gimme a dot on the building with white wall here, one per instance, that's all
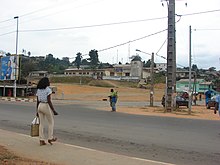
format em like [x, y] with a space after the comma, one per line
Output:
[132, 71]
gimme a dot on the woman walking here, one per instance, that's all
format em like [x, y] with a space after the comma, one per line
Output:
[45, 110]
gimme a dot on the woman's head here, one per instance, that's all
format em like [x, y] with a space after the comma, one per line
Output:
[43, 83]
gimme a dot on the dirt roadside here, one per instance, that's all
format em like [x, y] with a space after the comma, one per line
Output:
[10, 158]
[90, 93]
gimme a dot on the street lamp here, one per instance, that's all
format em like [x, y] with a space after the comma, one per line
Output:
[151, 76]
[16, 17]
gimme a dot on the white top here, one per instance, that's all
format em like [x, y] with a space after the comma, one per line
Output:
[43, 93]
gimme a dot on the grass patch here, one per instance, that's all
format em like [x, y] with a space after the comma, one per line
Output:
[71, 79]
[6, 155]
[100, 83]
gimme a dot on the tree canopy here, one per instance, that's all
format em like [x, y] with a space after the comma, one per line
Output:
[78, 60]
[93, 58]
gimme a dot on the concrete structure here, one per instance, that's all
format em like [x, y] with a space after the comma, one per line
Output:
[137, 68]
[133, 71]
[98, 73]
[21, 90]
[161, 66]
[35, 76]
[199, 86]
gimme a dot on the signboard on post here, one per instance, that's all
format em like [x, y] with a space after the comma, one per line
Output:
[9, 67]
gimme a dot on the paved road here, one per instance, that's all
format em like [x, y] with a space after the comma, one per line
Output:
[177, 141]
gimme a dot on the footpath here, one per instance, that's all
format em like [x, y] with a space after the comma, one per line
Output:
[64, 154]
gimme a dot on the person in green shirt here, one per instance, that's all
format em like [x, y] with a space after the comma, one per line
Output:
[113, 97]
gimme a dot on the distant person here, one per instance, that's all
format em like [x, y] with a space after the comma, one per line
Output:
[217, 106]
[163, 101]
[200, 97]
[8, 71]
[45, 110]
[113, 97]
[208, 95]
[185, 95]
[194, 99]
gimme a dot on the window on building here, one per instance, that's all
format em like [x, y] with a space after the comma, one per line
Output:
[127, 74]
[112, 73]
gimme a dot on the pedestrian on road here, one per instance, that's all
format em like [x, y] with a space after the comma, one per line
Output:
[113, 97]
[200, 97]
[217, 105]
[45, 110]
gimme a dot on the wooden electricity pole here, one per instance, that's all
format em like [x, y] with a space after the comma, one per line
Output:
[190, 71]
[152, 81]
[171, 56]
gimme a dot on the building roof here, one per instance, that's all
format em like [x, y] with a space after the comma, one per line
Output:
[206, 83]
[187, 80]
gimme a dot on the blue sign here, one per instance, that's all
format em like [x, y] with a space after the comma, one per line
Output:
[9, 68]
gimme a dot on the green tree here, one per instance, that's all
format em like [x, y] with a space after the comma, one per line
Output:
[85, 62]
[147, 64]
[53, 65]
[78, 60]
[27, 65]
[94, 58]
[211, 69]
[136, 58]
[29, 53]
[194, 67]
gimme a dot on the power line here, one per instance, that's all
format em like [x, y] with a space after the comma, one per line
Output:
[133, 40]
[89, 26]
[107, 24]
[49, 7]
[6, 20]
[61, 11]
[38, 10]
[206, 29]
[161, 46]
[101, 50]
[7, 33]
[202, 12]
[96, 25]
[118, 23]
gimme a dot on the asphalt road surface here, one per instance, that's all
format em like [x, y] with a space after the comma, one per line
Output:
[170, 140]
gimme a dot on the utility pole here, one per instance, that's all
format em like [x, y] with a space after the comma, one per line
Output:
[152, 81]
[15, 85]
[151, 77]
[190, 72]
[171, 56]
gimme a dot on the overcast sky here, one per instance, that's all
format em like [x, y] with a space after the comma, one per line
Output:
[66, 27]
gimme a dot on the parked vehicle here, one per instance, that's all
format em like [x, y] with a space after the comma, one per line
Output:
[211, 103]
[180, 101]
